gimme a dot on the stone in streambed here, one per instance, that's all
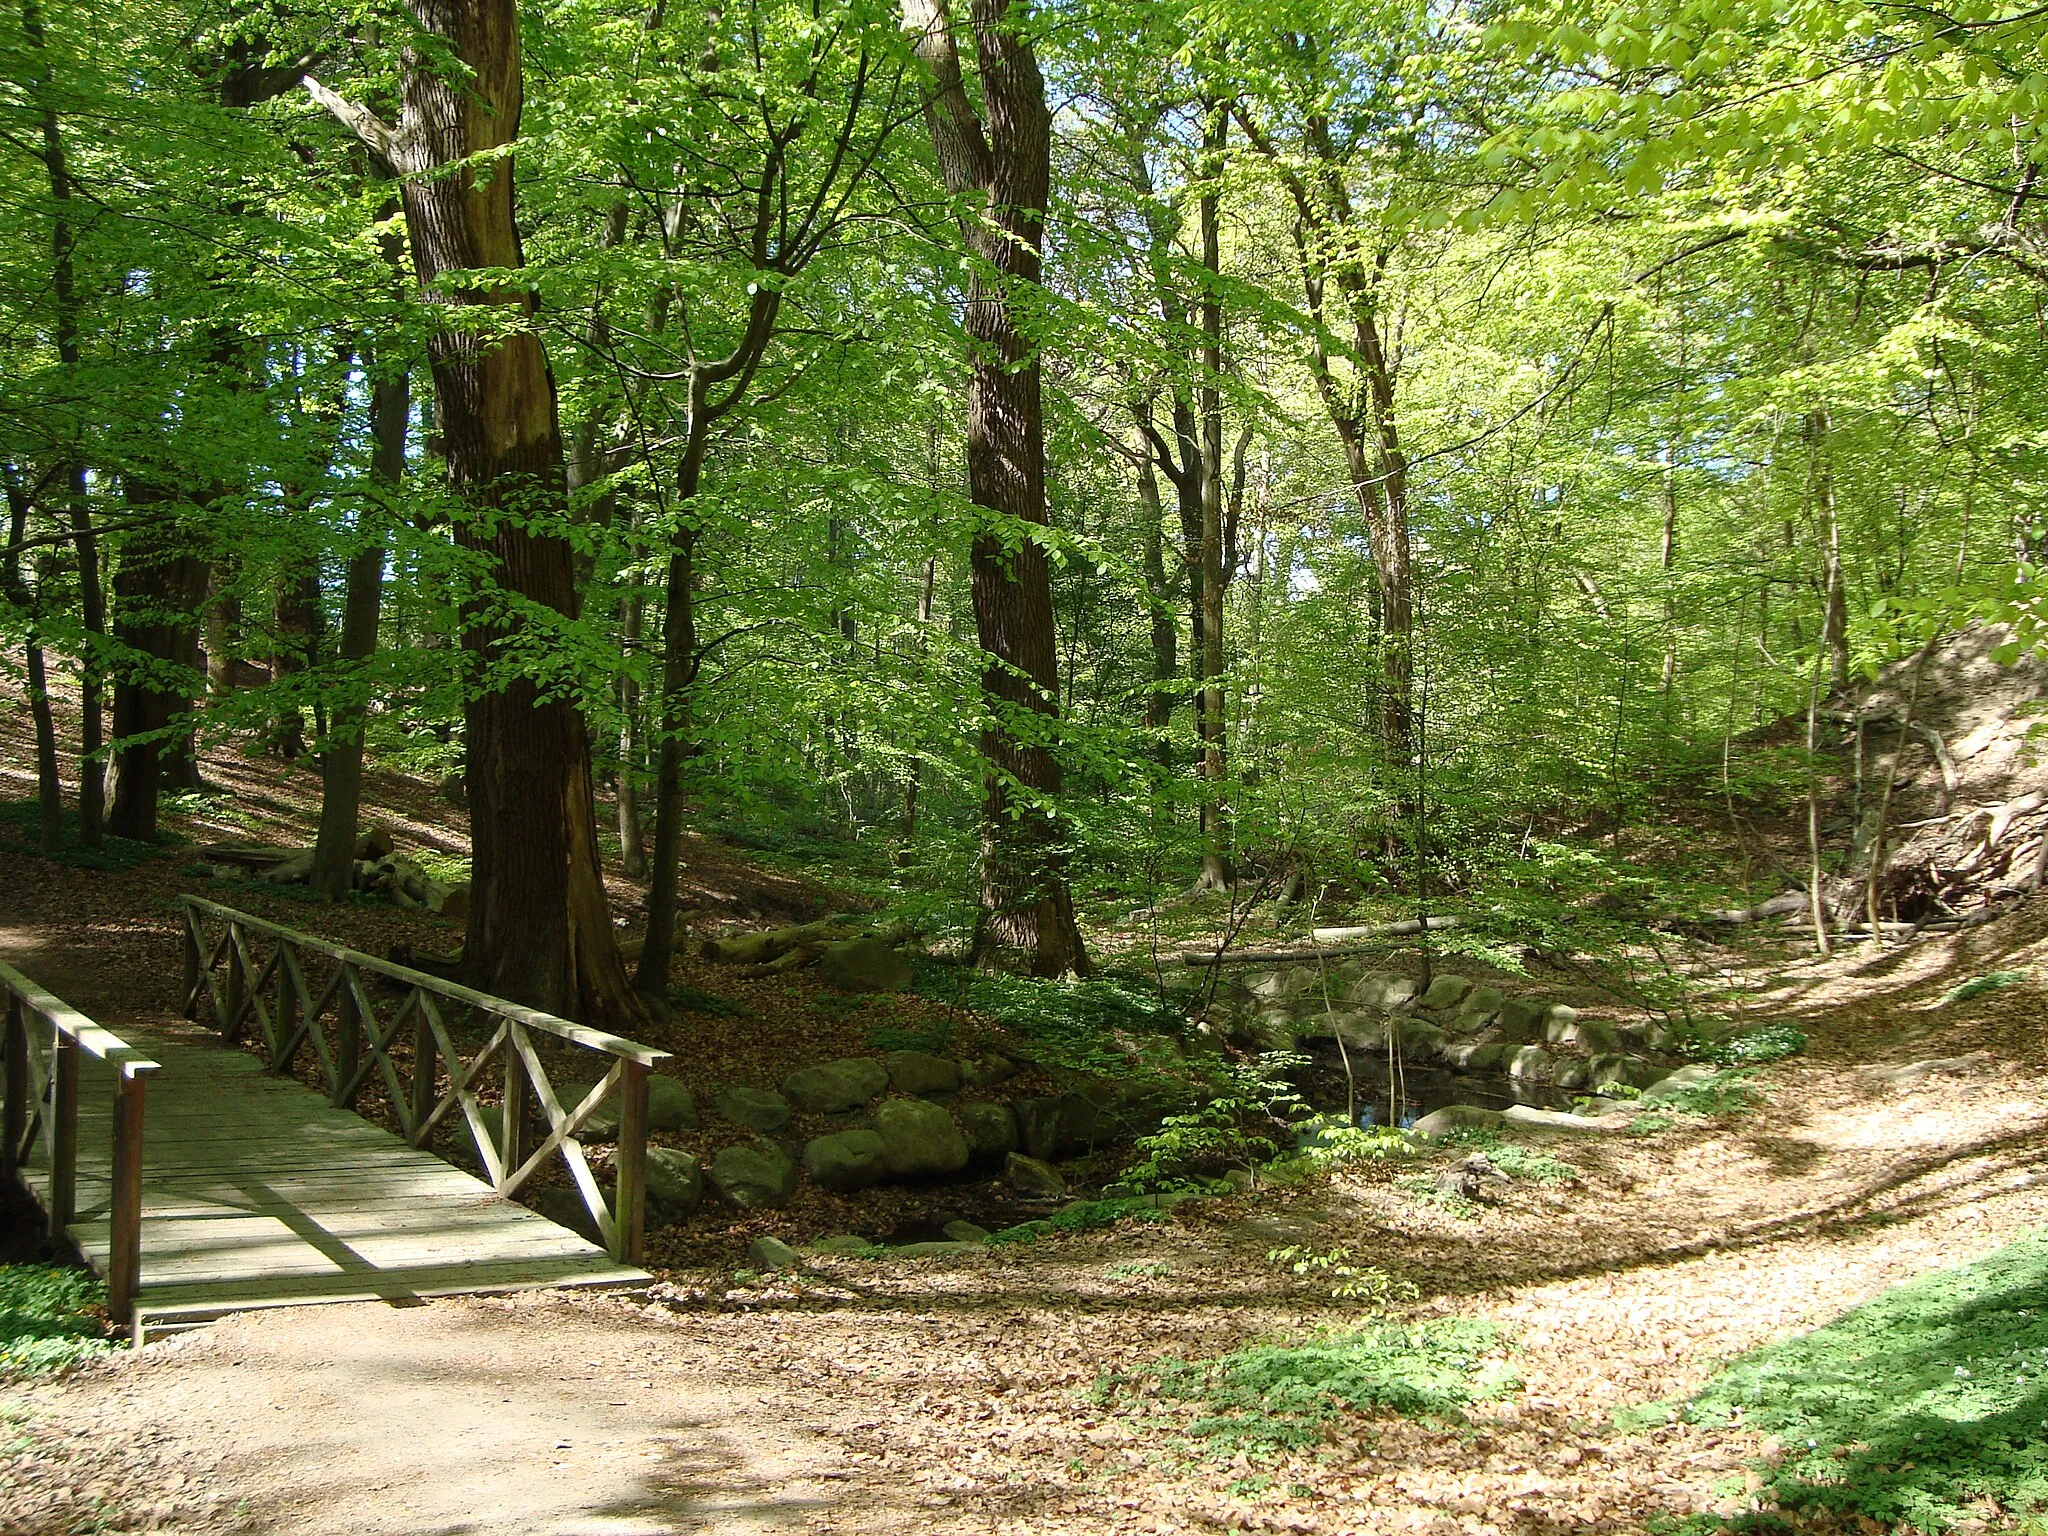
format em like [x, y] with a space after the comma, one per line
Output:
[833, 1087]
[758, 1109]
[920, 1137]
[754, 1175]
[846, 1160]
[990, 1129]
[675, 1185]
[772, 1253]
[863, 965]
[920, 1072]
[1033, 1178]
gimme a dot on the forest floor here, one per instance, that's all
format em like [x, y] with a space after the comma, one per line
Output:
[958, 1394]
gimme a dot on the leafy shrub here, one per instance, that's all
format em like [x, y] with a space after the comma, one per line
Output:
[1517, 1162]
[1251, 1108]
[1751, 1048]
[1978, 986]
[1082, 1216]
[1344, 1146]
[1347, 1281]
[1271, 1397]
[113, 855]
[1910, 1409]
[49, 1318]
[1725, 1093]
[924, 1037]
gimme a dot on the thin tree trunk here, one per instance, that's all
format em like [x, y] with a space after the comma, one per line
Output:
[1217, 873]
[1003, 155]
[1834, 592]
[1874, 882]
[632, 833]
[341, 760]
[540, 928]
[913, 776]
[1815, 901]
[92, 769]
[49, 787]
[1159, 600]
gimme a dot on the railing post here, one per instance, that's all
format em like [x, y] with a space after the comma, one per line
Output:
[63, 1130]
[124, 1235]
[512, 1134]
[231, 1019]
[287, 1011]
[423, 1055]
[15, 1124]
[194, 959]
[348, 1038]
[629, 1196]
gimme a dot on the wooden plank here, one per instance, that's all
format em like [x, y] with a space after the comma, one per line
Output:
[257, 1192]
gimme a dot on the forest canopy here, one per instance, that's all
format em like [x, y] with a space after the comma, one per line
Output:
[1083, 451]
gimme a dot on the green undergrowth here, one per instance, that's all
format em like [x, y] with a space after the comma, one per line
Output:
[711, 1003]
[1084, 1216]
[113, 855]
[1279, 1396]
[1094, 1026]
[1752, 1047]
[1517, 1162]
[51, 1316]
[1924, 1408]
[1977, 986]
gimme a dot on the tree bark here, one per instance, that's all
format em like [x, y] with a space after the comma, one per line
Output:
[92, 770]
[158, 592]
[341, 758]
[49, 787]
[1003, 156]
[540, 928]
[1217, 873]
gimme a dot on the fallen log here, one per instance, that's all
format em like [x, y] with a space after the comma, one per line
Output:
[1381, 930]
[768, 944]
[1776, 906]
[1320, 946]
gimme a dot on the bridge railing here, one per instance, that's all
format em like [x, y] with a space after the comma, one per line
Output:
[294, 995]
[46, 1041]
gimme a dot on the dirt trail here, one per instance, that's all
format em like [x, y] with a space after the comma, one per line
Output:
[953, 1396]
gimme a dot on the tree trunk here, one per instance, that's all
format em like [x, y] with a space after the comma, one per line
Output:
[92, 770]
[1159, 598]
[540, 928]
[158, 592]
[632, 834]
[1834, 627]
[1217, 873]
[295, 623]
[341, 761]
[49, 787]
[223, 622]
[1005, 158]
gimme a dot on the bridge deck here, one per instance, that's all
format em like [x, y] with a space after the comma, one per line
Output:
[258, 1193]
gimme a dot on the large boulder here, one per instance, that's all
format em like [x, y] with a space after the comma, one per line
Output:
[670, 1106]
[1557, 1120]
[1455, 1117]
[1446, 991]
[1478, 1009]
[990, 1129]
[988, 1070]
[1033, 1178]
[1593, 1036]
[1419, 1041]
[772, 1253]
[1530, 1063]
[1051, 1128]
[833, 1087]
[754, 1176]
[864, 964]
[1570, 1072]
[846, 1160]
[920, 1137]
[1671, 1086]
[1521, 1020]
[757, 1109]
[1382, 990]
[1474, 1055]
[1278, 986]
[920, 1072]
[675, 1185]
[1361, 1031]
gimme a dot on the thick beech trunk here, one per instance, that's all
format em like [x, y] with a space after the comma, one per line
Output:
[540, 929]
[1003, 155]
[49, 788]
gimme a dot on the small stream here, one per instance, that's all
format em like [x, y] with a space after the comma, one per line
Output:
[1418, 1091]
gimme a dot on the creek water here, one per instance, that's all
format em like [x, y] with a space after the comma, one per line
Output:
[1376, 1095]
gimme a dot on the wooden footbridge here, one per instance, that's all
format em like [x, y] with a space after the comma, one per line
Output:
[309, 1154]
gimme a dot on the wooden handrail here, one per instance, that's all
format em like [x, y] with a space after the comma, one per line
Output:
[300, 1017]
[47, 1111]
